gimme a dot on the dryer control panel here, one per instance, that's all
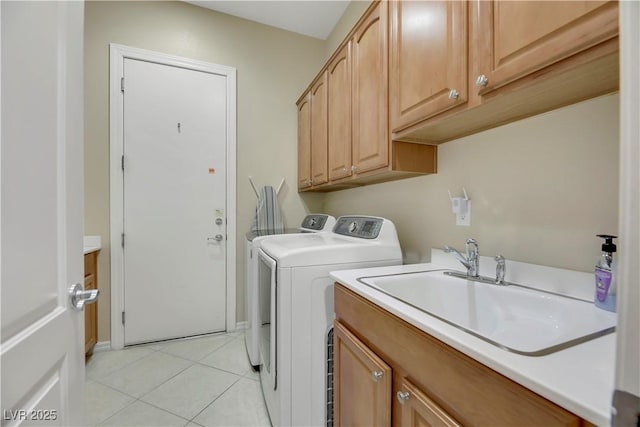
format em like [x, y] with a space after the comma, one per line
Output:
[314, 222]
[364, 227]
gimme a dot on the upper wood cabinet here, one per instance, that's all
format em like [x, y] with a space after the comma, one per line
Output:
[518, 38]
[339, 114]
[370, 91]
[304, 142]
[362, 383]
[354, 87]
[428, 69]
[319, 140]
[523, 58]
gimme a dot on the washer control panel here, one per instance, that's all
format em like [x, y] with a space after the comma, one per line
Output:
[358, 226]
[314, 222]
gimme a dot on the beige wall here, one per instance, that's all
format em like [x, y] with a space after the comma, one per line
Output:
[541, 189]
[274, 67]
[352, 13]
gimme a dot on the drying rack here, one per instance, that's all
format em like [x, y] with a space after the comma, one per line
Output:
[256, 191]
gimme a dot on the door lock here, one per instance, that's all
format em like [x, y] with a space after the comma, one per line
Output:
[219, 221]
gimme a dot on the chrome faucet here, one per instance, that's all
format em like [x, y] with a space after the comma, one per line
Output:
[471, 261]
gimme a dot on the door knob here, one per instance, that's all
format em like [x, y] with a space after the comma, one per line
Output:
[80, 297]
[377, 376]
[219, 221]
[217, 238]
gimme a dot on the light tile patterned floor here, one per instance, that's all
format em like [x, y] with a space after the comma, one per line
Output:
[205, 381]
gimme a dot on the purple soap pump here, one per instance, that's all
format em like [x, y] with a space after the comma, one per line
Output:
[606, 275]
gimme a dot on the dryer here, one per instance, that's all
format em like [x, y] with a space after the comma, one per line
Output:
[312, 223]
[296, 300]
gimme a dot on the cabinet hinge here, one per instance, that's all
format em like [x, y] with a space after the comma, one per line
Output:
[122, 162]
[122, 239]
[123, 318]
[122, 84]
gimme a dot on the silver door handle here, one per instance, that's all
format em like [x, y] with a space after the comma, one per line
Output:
[217, 238]
[80, 297]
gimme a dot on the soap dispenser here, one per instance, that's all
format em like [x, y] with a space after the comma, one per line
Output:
[606, 275]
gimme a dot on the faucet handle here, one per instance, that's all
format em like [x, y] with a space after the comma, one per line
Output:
[476, 248]
[501, 269]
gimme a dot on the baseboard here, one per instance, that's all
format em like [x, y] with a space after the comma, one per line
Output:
[240, 326]
[102, 346]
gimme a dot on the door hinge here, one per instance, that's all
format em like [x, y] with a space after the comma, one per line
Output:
[122, 240]
[123, 318]
[122, 84]
[251, 253]
[122, 162]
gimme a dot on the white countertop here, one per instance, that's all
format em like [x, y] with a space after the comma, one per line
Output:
[579, 379]
[92, 244]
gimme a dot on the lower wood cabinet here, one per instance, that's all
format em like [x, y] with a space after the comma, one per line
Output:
[90, 310]
[362, 383]
[387, 372]
[413, 407]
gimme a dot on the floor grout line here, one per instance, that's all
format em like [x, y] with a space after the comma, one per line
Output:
[247, 374]
[216, 398]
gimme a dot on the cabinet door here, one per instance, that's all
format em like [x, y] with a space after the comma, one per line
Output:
[90, 310]
[319, 131]
[370, 91]
[90, 317]
[519, 38]
[414, 408]
[304, 143]
[428, 72]
[339, 114]
[362, 383]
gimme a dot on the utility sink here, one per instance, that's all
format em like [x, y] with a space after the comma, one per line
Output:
[513, 317]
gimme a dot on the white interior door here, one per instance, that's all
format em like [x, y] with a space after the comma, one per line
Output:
[42, 350]
[174, 201]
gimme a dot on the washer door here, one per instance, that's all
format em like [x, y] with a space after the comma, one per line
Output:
[267, 294]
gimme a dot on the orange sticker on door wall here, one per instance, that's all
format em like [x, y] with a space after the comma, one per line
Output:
[212, 171]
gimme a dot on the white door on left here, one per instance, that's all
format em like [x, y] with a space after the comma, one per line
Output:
[42, 351]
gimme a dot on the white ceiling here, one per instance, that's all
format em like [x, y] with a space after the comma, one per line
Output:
[315, 18]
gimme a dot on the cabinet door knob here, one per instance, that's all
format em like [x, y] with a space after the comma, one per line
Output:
[403, 396]
[377, 376]
[454, 94]
[482, 80]
[354, 168]
[344, 171]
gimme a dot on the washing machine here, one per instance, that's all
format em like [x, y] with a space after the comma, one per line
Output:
[296, 316]
[312, 223]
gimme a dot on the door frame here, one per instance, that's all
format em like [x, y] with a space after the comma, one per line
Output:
[627, 353]
[118, 53]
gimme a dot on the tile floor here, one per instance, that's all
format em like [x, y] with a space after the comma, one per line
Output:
[204, 381]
